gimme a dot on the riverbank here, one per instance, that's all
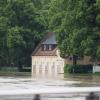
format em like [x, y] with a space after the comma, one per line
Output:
[15, 73]
[97, 73]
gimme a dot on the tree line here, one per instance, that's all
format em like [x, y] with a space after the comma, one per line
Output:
[77, 24]
[22, 26]
[23, 23]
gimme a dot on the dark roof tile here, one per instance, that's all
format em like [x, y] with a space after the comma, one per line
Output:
[50, 40]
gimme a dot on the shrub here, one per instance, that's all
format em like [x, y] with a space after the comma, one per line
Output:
[68, 68]
[78, 68]
[8, 69]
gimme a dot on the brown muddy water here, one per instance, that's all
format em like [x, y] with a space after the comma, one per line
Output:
[37, 82]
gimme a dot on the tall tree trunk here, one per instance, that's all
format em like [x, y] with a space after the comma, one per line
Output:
[94, 62]
[94, 65]
[74, 59]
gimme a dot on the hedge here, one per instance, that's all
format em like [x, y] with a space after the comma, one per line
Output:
[78, 68]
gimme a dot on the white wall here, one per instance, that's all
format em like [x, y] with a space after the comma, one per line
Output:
[47, 65]
[96, 69]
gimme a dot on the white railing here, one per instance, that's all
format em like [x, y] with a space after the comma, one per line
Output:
[50, 90]
[58, 90]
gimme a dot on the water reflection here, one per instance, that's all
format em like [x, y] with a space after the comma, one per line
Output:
[47, 75]
[82, 79]
[79, 77]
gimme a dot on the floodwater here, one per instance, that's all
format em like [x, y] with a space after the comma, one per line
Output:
[16, 83]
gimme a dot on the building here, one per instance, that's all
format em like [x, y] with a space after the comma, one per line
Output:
[46, 58]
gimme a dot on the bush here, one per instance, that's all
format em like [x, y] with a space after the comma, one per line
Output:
[8, 69]
[78, 68]
[68, 68]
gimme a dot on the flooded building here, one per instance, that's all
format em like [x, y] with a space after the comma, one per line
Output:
[46, 58]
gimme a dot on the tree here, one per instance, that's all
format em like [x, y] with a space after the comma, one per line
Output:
[62, 21]
[3, 31]
[22, 26]
[77, 24]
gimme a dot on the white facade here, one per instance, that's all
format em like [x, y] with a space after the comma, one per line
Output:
[47, 65]
[46, 59]
[96, 69]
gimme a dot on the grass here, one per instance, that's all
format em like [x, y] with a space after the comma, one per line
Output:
[13, 71]
[97, 73]
[8, 69]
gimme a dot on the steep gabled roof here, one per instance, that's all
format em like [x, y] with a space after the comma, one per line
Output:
[48, 39]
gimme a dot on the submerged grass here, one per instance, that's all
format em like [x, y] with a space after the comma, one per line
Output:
[97, 73]
[8, 69]
[13, 71]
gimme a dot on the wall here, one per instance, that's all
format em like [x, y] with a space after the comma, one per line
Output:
[49, 65]
[96, 69]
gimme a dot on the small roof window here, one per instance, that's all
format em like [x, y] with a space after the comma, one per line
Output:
[44, 47]
[50, 47]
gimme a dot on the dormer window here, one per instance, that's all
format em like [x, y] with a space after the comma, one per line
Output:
[47, 47]
[44, 47]
[50, 47]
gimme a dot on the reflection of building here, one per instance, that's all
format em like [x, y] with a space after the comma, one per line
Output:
[46, 58]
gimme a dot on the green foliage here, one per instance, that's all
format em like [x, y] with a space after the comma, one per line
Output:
[77, 24]
[78, 68]
[97, 73]
[8, 69]
[22, 25]
[68, 68]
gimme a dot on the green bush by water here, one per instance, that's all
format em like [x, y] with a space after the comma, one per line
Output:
[15, 69]
[77, 68]
[8, 69]
[97, 73]
[68, 68]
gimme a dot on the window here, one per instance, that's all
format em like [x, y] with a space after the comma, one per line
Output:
[70, 58]
[44, 47]
[47, 47]
[50, 47]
